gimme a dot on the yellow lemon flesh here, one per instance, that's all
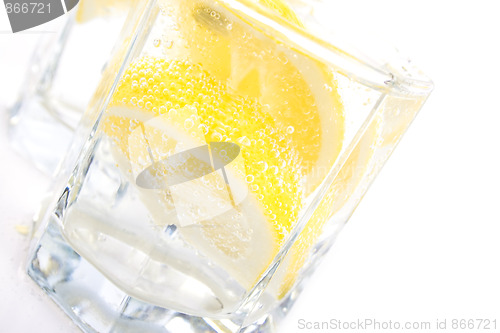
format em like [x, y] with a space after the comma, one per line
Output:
[153, 87]
[298, 92]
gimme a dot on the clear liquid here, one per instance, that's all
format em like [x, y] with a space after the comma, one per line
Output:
[63, 75]
[112, 228]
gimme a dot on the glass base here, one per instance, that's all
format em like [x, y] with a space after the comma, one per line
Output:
[39, 133]
[97, 305]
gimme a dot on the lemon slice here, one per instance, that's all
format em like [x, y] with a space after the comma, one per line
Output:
[279, 105]
[213, 211]
[159, 102]
[296, 90]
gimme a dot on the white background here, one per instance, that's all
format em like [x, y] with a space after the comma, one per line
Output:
[423, 244]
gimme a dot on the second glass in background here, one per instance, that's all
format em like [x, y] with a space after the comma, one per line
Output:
[61, 79]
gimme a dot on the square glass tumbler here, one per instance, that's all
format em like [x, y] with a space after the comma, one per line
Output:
[62, 75]
[225, 147]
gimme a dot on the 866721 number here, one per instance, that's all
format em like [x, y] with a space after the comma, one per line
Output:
[28, 7]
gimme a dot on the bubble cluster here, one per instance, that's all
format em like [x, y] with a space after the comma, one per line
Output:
[272, 168]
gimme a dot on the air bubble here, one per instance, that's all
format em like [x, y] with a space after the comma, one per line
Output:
[249, 178]
[283, 59]
[217, 137]
[169, 44]
[188, 123]
[290, 129]
[274, 169]
[204, 128]
[263, 166]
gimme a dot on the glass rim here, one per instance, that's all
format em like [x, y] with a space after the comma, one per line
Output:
[384, 74]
